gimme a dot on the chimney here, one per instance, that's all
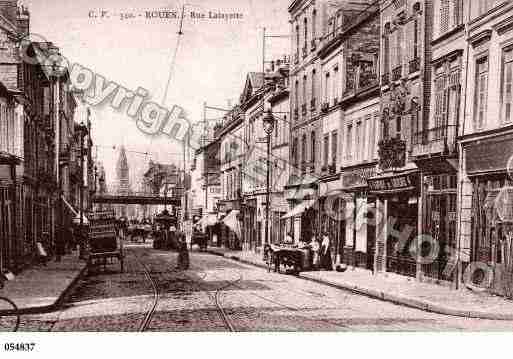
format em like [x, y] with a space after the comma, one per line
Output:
[23, 21]
[9, 10]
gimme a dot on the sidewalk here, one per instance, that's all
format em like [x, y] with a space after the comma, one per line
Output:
[402, 290]
[42, 288]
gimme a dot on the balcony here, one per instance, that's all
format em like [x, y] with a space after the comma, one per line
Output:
[367, 79]
[313, 45]
[385, 79]
[305, 51]
[392, 153]
[313, 104]
[397, 73]
[439, 140]
[414, 65]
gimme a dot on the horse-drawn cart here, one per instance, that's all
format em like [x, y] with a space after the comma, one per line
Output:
[103, 242]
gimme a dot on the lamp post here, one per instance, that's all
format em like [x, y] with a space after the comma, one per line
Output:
[268, 124]
[82, 132]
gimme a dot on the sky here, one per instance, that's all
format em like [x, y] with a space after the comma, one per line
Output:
[211, 64]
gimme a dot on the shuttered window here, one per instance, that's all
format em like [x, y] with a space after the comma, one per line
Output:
[326, 149]
[444, 16]
[481, 91]
[507, 80]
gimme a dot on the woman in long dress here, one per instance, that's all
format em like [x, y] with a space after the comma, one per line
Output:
[326, 253]
[315, 253]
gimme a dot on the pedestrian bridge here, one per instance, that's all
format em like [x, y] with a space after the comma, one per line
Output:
[137, 198]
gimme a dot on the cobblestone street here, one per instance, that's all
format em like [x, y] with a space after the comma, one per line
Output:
[252, 300]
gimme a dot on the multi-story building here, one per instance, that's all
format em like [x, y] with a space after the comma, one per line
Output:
[486, 137]
[307, 19]
[434, 147]
[406, 29]
[230, 134]
[350, 137]
[278, 98]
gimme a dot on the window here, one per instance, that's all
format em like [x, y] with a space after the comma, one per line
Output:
[304, 90]
[294, 151]
[416, 38]
[327, 88]
[399, 44]
[386, 49]
[451, 14]
[306, 31]
[297, 40]
[296, 95]
[358, 144]
[314, 24]
[312, 140]
[440, 98]
[349, 141]
[507, 79]
[313, 88]
[481, 84]
[334, 142]
[326, 149]
[335, 82]
[444, 16]
[303, 149]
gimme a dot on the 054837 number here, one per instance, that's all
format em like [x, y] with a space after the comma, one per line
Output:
[19, 347]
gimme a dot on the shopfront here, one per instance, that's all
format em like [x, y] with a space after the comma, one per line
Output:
[397, 198]
[360, 237]
[226, 229]
[302, 218]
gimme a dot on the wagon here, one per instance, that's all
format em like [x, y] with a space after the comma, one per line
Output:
[292, 258]
[104, 245]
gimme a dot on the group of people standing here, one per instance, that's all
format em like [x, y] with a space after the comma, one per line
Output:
[321, 252]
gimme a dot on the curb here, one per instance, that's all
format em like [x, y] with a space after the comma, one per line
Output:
[390, 297]
[57, 303]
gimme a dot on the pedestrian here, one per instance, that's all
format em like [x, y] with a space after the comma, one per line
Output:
[315, 247]
[326, 253]
[183, 253]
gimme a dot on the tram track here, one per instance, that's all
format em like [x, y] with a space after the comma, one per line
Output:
[156, 295]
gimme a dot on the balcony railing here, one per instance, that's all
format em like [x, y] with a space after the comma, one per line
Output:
[438, 140]
[414, 65]
[367, 78]
[385, 79]
[397, 73]
[392, 153]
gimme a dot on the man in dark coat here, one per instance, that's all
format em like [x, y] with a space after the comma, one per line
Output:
[183, 252]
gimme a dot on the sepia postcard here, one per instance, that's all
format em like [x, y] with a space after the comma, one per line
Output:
[224, 166]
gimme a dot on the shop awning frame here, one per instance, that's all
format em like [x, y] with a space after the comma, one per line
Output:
[299, 209]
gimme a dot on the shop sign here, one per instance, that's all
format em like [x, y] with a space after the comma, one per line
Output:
[489, 155]
[405, 181]
[358, 177]
[225, 206]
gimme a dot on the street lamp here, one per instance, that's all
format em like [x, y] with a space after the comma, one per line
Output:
[82, 129]
[268, 124]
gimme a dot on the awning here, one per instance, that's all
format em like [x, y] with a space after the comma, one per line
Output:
[299, 209]
[502, 203]
[233, 223]
[208, 220]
